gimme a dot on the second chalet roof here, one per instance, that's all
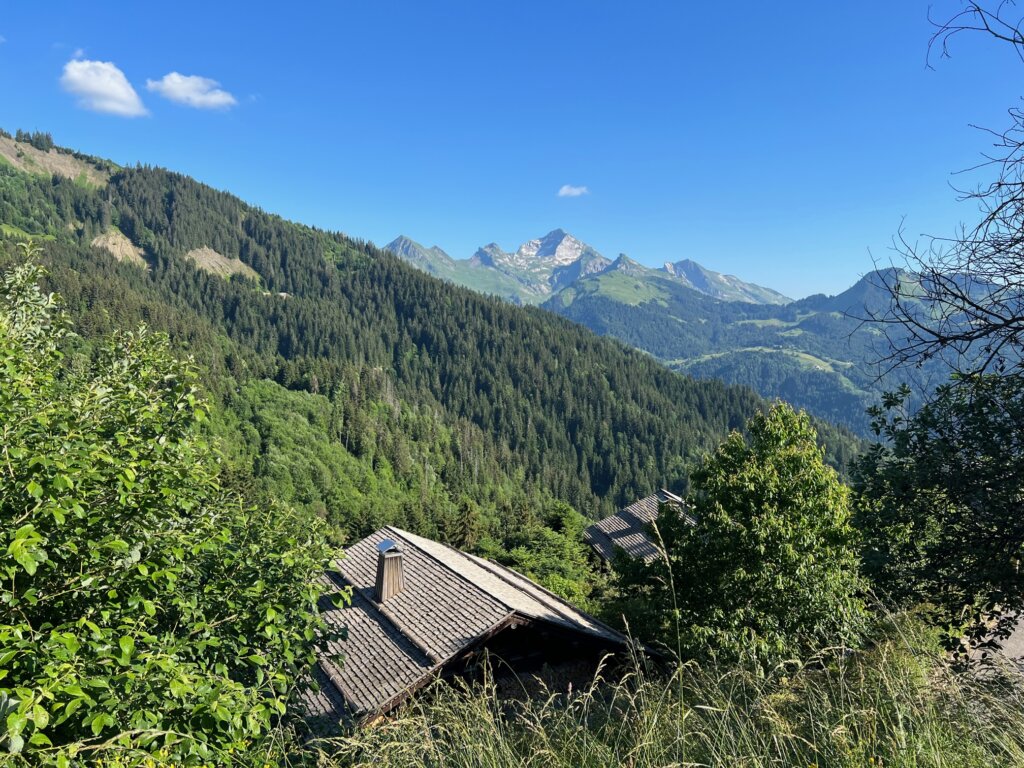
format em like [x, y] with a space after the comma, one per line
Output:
[627, 528]
[449, 602]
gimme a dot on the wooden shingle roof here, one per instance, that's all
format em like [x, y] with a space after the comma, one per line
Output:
[627, 528]
[451, 602]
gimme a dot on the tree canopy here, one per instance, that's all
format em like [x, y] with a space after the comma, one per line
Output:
[939, 502]
[766, 568]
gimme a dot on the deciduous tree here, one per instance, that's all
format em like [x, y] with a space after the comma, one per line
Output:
[766, 569]
[940, 505]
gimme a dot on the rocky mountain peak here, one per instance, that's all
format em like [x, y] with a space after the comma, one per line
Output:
[627, 265]
[410, 250]
[544, 265]
[558, 247]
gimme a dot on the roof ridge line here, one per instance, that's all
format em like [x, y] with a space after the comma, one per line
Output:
[447, 567]
[550, 594]
[673, 496]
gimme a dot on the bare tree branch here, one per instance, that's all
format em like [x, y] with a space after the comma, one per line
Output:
[961, 299]
[975, 17]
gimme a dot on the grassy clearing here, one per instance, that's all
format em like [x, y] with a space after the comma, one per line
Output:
[9, 230]
[209, 260]
[896, 705]
[804, 360]
[29, 159]
[82, 180]
[771, 322]
[629, 290]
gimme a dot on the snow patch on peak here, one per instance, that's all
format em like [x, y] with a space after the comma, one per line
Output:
[528, 250]
[557, 247]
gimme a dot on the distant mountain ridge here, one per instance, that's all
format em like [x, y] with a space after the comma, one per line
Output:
[719, 286]
[817, 352]
[540, 268]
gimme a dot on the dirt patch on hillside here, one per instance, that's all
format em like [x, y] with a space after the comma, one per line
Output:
[27, 158]
[209, 260]
[114, 242]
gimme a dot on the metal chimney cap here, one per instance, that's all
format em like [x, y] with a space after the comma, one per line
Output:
[387, 545]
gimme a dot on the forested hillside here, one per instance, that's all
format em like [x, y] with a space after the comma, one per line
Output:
[817, 353]
[438, 398]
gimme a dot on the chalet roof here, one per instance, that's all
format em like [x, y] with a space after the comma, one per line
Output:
[627, 528]
[450, 603]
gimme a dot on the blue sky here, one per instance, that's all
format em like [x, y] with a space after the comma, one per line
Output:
[782, 142]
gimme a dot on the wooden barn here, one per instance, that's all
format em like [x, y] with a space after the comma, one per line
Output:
[422, 610]
[627, 529]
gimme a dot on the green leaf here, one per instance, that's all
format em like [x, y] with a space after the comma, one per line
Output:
[99, 722]
[16, 722]
[127, 645]
[26, 548]
[16, 744]
[40, 739]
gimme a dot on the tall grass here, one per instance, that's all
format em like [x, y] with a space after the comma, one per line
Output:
[897, 704]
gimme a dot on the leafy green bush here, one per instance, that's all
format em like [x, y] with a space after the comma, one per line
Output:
[939, 504]
[141, 601]
[769, 570]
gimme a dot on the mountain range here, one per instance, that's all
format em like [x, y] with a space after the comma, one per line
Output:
[540, 268]
[817, 353]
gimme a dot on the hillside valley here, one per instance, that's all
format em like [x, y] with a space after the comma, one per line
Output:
[817, 353]
[421, 400]
[332, 394]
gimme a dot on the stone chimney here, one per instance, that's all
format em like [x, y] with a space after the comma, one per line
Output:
[390, 576]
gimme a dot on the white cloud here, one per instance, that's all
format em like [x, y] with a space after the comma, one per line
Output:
[568, 190]
[78, 54]
[2, 39]
[192, 91]
[101, 87]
